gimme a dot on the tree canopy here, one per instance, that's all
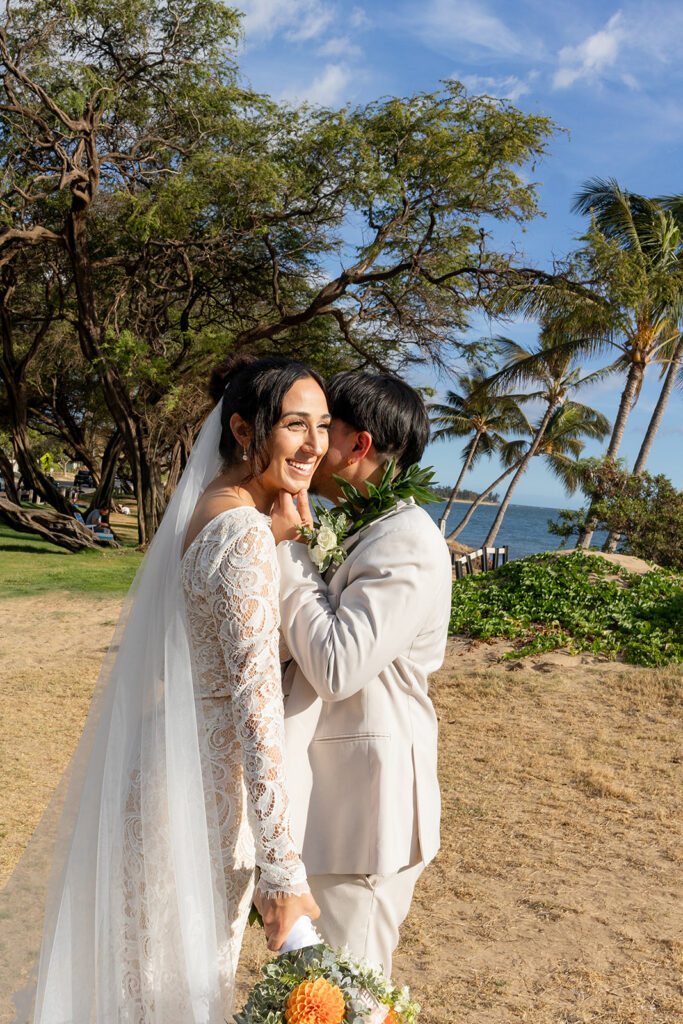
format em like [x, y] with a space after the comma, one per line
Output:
[161, 215]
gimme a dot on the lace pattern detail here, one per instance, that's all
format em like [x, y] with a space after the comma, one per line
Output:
[231, 583]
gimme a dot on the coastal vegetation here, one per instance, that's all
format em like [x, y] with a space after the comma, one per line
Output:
[621, 296]
[463, 494]
[645, 512]
[575, 601]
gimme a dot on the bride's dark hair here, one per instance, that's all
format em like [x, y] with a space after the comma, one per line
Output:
[254, 388]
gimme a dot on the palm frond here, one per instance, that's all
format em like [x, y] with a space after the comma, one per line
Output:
[613, 210]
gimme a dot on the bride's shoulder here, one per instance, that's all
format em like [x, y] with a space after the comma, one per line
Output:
[219, 526]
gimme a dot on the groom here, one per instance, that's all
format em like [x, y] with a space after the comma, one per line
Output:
[361, 731]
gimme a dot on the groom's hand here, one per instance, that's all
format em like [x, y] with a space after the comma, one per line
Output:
[280, 914]
[288, 512]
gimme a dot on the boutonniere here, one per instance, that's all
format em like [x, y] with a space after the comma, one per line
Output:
[333, 525]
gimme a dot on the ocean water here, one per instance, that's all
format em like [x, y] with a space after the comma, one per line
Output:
[524, 528]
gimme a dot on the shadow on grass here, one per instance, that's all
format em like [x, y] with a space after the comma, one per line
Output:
[33, 549]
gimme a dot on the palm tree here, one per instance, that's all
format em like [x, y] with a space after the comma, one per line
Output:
[672, 372]
[485, 415]
[644, 325]
[561, 445]
[552, 366]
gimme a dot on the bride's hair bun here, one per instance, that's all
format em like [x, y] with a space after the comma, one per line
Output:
[225, 371]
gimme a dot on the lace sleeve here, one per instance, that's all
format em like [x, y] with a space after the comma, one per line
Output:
[246, 613]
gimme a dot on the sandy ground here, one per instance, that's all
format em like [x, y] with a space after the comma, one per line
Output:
[556, 895]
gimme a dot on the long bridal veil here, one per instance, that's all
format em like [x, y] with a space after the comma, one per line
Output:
[133, 915]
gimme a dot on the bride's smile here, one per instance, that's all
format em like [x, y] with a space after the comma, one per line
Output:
[299, 439]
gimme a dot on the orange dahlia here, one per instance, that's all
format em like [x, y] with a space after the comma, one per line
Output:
[391, 1017]
[315, 1002]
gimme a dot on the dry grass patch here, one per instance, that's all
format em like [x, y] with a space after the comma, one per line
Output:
[51, 649]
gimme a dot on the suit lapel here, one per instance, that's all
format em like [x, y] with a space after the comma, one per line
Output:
[352, 542]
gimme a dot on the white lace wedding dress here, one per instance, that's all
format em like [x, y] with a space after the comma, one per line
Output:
[230, 582]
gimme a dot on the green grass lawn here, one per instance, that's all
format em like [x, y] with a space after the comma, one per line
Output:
[31, 566]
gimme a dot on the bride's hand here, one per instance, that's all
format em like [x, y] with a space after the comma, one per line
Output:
[288, 512]
[280, 914]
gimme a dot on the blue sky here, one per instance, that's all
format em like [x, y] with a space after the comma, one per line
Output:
[609, 73]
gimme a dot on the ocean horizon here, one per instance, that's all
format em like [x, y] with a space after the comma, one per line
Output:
[524, 528]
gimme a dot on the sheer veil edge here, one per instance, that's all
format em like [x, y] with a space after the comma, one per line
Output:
[141, 731]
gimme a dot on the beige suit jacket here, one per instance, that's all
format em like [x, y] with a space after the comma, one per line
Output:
[361, 731]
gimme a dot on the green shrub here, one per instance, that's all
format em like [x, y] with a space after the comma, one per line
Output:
[578, 601]
[646, 510]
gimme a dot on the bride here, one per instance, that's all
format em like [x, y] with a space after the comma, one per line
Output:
[177, 788]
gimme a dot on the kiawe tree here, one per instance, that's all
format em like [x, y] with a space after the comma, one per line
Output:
[194, 217]
[103, 99]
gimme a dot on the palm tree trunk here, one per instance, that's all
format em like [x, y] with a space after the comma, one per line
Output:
[458, 482]
[493, 532]
[653, 427]
[477, 502]
[635, 376]
[662, 401]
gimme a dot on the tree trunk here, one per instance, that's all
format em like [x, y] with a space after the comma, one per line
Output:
[662, 401]
[477, 502]
[179, 456]
[635, 376]
[458, 482]
[145, 473]
[64, 531]
[13, 375]
[7, 474]
[104, 492]
[33, 476]
[493, 532]
[653, 427]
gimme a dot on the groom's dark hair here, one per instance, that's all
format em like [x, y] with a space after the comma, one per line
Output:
[386, 407]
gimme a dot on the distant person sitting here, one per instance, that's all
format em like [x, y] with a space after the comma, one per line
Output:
[98, 517]
[98, 522]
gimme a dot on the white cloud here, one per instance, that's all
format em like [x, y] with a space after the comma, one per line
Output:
[298, 19]
[451, 23]
[329, 88]
[593, 57]
[359, 19]
[510, 88]
[340, 46]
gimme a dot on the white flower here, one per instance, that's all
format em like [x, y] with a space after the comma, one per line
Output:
[326, 539]
[317, 556]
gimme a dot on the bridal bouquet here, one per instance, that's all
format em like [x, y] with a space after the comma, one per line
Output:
[318, 985]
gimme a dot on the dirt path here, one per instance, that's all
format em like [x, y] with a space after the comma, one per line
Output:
[556, 896]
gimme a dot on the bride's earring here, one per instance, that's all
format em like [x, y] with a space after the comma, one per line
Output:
[244, 455]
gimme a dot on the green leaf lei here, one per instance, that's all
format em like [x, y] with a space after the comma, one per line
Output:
[358, 509]
[361, 509]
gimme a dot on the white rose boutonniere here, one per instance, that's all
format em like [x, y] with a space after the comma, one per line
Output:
[358, 509]
[325, 539]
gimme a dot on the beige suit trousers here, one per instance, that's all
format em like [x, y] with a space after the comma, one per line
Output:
[364, 912]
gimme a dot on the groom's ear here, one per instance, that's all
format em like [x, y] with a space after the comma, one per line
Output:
[361, 445]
